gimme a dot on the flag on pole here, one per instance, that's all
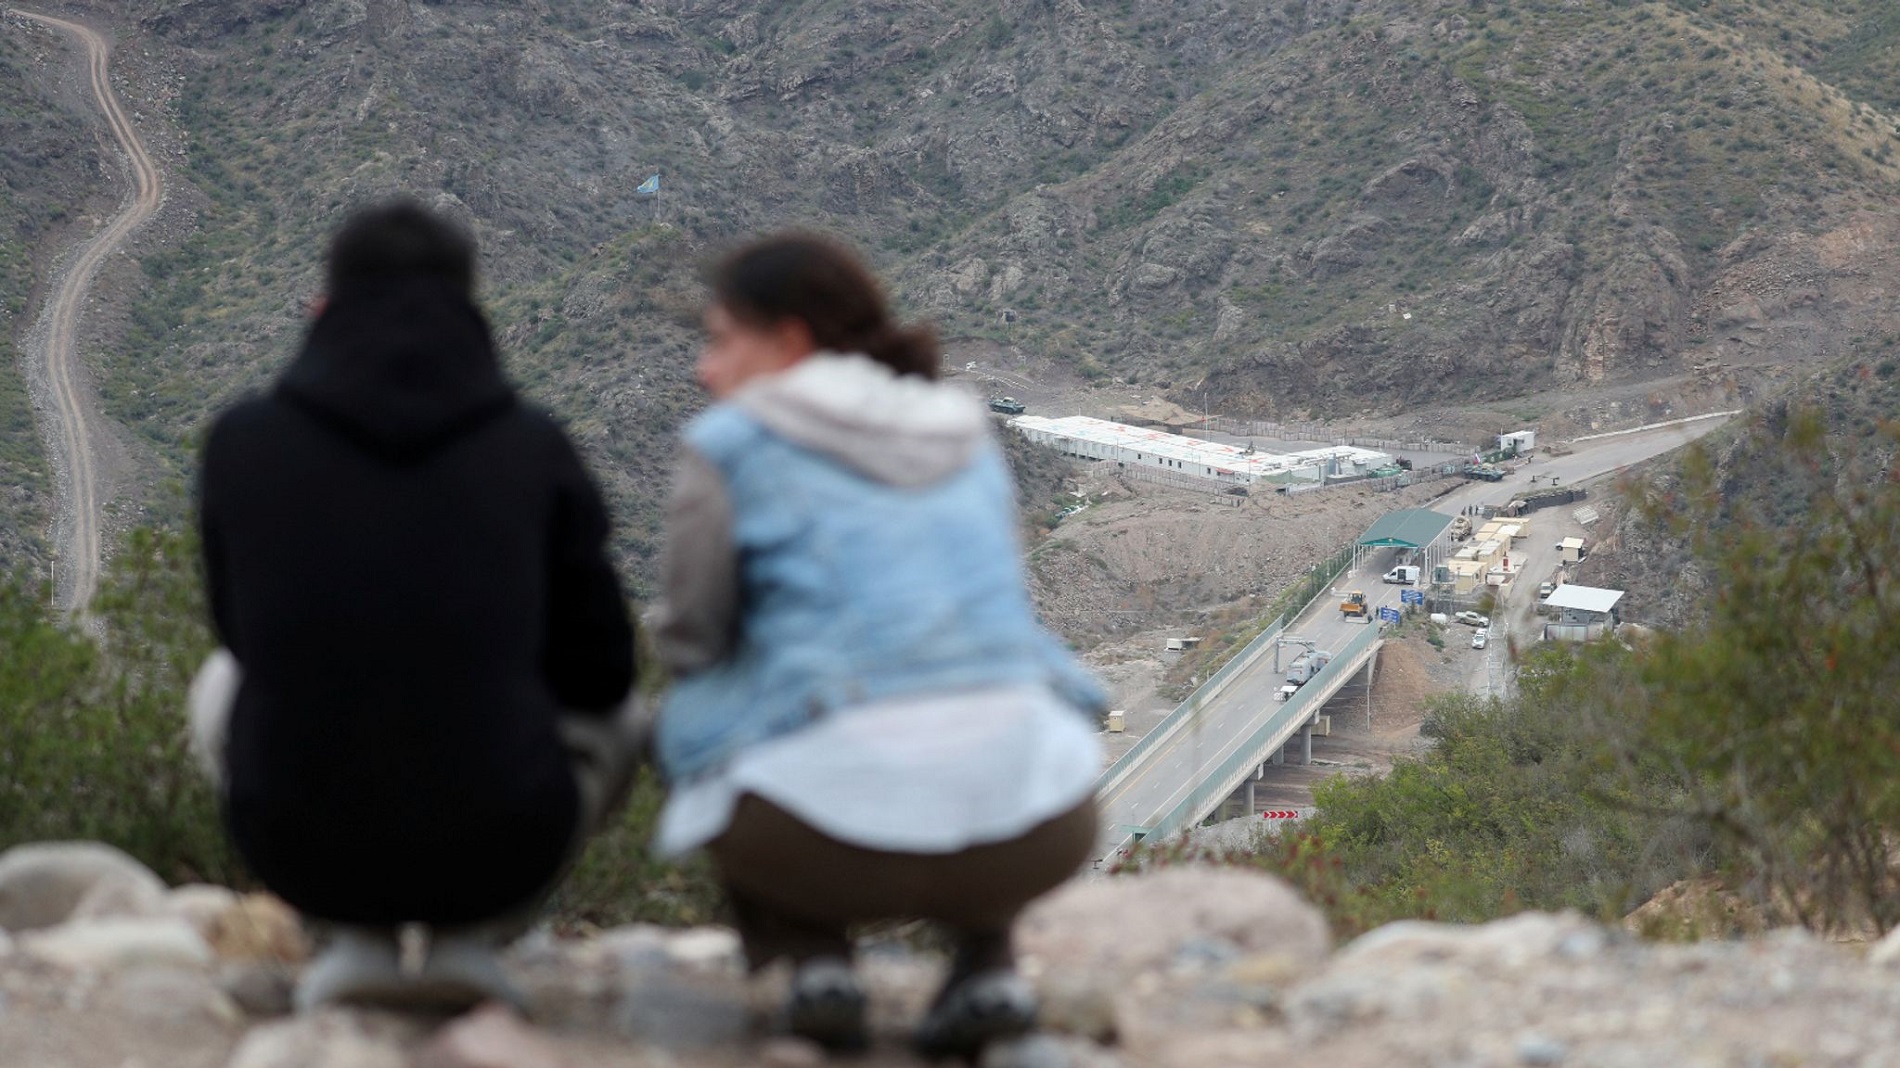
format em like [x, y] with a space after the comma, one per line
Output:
[650, 187]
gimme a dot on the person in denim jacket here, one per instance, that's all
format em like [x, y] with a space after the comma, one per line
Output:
[868, 721]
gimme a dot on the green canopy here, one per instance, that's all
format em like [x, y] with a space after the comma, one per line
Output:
[1413, 528]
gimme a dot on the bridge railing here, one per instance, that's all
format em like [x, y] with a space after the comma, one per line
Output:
[1186, 710]
[1258, 748]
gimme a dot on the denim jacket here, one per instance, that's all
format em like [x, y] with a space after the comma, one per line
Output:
[852, 587]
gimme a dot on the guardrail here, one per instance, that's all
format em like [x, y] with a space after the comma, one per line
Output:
[1258, 747]
[1185, 711]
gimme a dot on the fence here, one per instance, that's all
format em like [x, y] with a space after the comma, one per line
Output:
[1258, 748]
[1317, 583]
[1420, 476]
[1162, 477]
[1186, 710]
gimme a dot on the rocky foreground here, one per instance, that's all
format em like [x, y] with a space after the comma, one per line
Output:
[104, 967]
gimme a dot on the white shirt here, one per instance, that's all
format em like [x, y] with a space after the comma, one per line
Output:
[931, 774]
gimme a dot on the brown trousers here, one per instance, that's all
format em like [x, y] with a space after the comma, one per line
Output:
[796, 891]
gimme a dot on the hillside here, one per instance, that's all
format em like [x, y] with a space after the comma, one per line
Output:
[1762, 482]
[49, 164]
[1418, 211]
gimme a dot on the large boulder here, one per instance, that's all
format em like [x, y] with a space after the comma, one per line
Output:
[329, 1039]
[43, 882]
[1176, 917]
[112, 944]
[1100, 951]
[490, 1037]
[258, 927]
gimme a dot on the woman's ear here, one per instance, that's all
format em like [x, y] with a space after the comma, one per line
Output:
[794, 340]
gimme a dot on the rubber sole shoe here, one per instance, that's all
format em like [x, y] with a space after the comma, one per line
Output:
[460, 973]
[358, 966]
[828, 1006]
[987, 1007]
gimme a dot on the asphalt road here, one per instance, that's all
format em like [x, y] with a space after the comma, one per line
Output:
[76, 575]
[1176, 767]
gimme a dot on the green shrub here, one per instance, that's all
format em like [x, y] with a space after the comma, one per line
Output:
[93, 744]
[92, 735]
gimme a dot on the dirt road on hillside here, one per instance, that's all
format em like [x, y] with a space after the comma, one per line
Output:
[72, 416]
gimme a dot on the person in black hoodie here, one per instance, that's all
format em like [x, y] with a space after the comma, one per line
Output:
[423, 706]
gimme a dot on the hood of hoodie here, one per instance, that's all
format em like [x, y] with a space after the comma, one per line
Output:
[401, 368]
[900, 430]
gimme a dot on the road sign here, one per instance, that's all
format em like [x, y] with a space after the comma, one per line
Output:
[1412, 596]
[1388, 614]
[1280, 814]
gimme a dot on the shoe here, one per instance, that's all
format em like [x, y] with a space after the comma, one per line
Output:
[357, 965]
[974, 1012]
[460, 972]
[827, 1005]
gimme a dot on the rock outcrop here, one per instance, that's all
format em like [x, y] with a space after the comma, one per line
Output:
[1177, 968]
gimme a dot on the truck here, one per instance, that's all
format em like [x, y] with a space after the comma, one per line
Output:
[1307, 665]
[1403, 575]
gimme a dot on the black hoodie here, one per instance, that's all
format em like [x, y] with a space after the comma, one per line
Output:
[410, 567]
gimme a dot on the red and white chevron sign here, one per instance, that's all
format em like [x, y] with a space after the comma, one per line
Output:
[1280, 814]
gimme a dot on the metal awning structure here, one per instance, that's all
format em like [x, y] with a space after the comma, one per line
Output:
[1593, 599]
[1411, 528]
[1418, 529]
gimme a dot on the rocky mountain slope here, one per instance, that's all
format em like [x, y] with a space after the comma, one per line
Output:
[1318, 206]
[1763, 482]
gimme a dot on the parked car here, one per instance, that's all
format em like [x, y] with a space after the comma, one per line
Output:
[1482, 638]
[1474, 619]
[1545, 590]
[1008, 406]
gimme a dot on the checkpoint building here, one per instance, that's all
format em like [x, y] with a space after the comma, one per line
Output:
[1421, 531]
[1584, 612]
[1086, 438]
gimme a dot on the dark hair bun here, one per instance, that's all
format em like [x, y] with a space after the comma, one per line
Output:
[824, 285]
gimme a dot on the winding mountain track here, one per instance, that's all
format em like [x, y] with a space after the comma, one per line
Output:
[76, 577]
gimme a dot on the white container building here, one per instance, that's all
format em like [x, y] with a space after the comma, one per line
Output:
[1087, 438]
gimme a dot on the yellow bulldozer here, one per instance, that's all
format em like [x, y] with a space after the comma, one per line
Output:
[1355, 605]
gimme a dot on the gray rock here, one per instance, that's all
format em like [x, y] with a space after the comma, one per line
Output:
[1885, 954]
[200, 905]
[1145, 922]
[119, 895]
[331, 1039]
[490, 1037]
[671, 1011]
[1511, 943]
[710, 949]
[1047, 1051]
[112, 944]
[258, 988]
[42, 882]
[165, 992]
[1081, 1005]
[1538, 1049]
[787, 1052]
[1030, 1051]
